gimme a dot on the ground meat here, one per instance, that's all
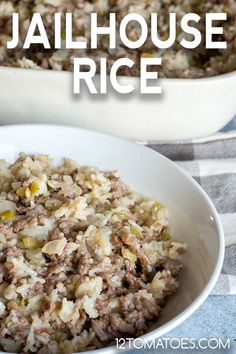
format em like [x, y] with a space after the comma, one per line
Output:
[53, 280]
[173, 265]
[120, 326]
[116, 268]
[55, 233]
[83, 265]
[25, 222]
[149, 308]
[47, 307]
[54, 268]
[134, 282]
[5, 229]
[128, 324]
[43, 350]
[38, 287]
[130, 266]
[111, 326]
[100, 328]
[13, 251]
[69, 228]
[102, 306]
[119, 189]
[116, 241]
[15, 325]
[12, 197]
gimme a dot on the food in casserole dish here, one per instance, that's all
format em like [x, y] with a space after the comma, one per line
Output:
[176, 62]
[84, 259]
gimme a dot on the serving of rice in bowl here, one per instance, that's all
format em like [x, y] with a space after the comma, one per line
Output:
[84, 258]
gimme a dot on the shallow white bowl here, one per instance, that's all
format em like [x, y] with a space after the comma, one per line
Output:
[186, 109]
[192, 215]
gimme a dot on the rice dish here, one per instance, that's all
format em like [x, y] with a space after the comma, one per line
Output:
[176, 62]
[84, 259]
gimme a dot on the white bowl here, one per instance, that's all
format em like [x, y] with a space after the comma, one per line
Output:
[192, 215]
[186, 109]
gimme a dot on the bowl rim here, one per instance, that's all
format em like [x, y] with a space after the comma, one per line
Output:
[173, 323]
[209, 79]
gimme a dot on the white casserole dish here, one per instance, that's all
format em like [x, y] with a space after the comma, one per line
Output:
[193, 217]
[186, 109]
